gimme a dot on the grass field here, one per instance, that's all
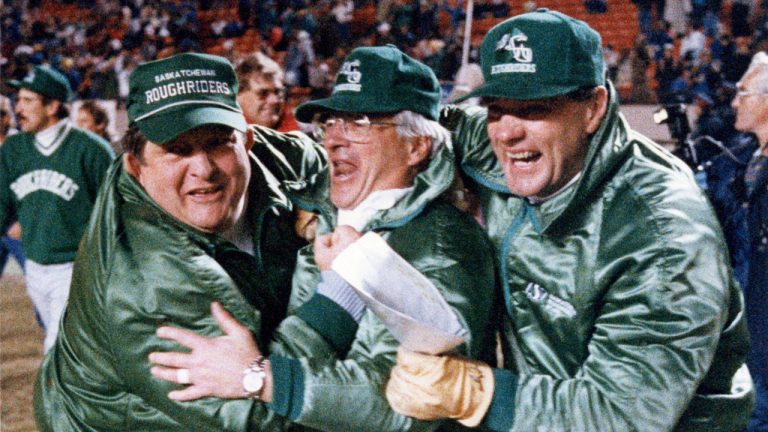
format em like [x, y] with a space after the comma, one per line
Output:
[21, 345]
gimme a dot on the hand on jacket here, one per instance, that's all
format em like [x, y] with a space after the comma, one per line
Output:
[214, 366]
[328, 246]
[431, 387]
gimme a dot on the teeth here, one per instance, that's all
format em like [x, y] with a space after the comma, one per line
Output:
[204, 191]
[521, 155]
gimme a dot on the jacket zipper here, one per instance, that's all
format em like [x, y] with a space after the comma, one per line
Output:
[526, 213]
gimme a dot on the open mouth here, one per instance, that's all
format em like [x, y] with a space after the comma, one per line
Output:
[206, 194]
[341, 170]
[523, 159]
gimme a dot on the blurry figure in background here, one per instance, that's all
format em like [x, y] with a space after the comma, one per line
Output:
[468, 78]
[10, 244]
[49, 177]
[299, 56]
[751, 105]
[640, 59]
[611, 57]
[320, 79]
[94, 118]
[262, 93]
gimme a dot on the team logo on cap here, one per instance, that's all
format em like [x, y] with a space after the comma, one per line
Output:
[515, 43]
[351, 71]
[30, 76]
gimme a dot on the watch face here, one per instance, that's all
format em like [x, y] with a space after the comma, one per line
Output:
[253, 381]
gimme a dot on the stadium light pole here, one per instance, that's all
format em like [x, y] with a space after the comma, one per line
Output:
[467, 33]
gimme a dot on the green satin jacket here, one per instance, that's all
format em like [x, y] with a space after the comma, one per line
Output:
[621, 310]
[344, 391]
[137, 269]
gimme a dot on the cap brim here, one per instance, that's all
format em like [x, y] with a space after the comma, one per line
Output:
[166, 126]
[501, 89]
[306, 111]
[18, 85]
[15, 84]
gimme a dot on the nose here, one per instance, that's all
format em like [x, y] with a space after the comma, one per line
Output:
[507, 129]
[201, 164]
[273, 98]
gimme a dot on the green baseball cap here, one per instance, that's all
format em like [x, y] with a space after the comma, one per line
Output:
[379, 80]
[47, 82]
[174, 95]
[538, 55]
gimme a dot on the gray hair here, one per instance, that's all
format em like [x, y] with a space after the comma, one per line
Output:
[411, 125]
[758, 68]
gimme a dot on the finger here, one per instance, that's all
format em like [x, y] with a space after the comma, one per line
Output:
[346, 230]
[184, 337]
[190, 393]
[325, 240]
[229, 325]
[165, 374]
[171, 359]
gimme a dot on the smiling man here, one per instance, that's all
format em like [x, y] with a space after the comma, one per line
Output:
[390, 165]
[622, 312]
[49, 177]
[186, 218]
[262, 93]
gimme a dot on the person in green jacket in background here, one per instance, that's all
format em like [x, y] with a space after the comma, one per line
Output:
[390, 167]
[50, 174]
[622, 313]
[186, 217]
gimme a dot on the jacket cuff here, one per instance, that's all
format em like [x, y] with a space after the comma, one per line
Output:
[501, 414]
[330, 320]
[337, 289]
[287, 387]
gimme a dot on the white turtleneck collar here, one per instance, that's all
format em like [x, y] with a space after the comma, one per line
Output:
[50, 138]
[359, 217]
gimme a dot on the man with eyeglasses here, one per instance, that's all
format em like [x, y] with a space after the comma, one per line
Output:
[620, 309]
[380, 201]
[751, 105]
[262, 93]
[49, 177]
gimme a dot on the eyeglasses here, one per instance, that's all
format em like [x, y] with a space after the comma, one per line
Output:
[265, 92]
[745, 93]
[356, 128]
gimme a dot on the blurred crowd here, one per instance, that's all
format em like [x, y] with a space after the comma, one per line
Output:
[690, 51]
[98, 43]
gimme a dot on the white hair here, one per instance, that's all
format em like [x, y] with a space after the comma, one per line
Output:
[411, 125]
[758, 68]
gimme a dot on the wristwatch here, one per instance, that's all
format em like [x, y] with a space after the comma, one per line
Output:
[254, 377]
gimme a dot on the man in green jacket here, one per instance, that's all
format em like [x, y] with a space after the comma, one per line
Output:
[185, 218]
[622, 313]
[49, 177]
[390, 164]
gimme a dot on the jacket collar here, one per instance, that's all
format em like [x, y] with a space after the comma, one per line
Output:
[313, 194]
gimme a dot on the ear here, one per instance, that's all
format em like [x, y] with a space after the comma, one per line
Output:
[52, 107]
[419, 149]
[598, 106]
[132, 165]
[249, 139]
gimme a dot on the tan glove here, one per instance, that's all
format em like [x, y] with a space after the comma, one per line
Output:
[430, 387]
